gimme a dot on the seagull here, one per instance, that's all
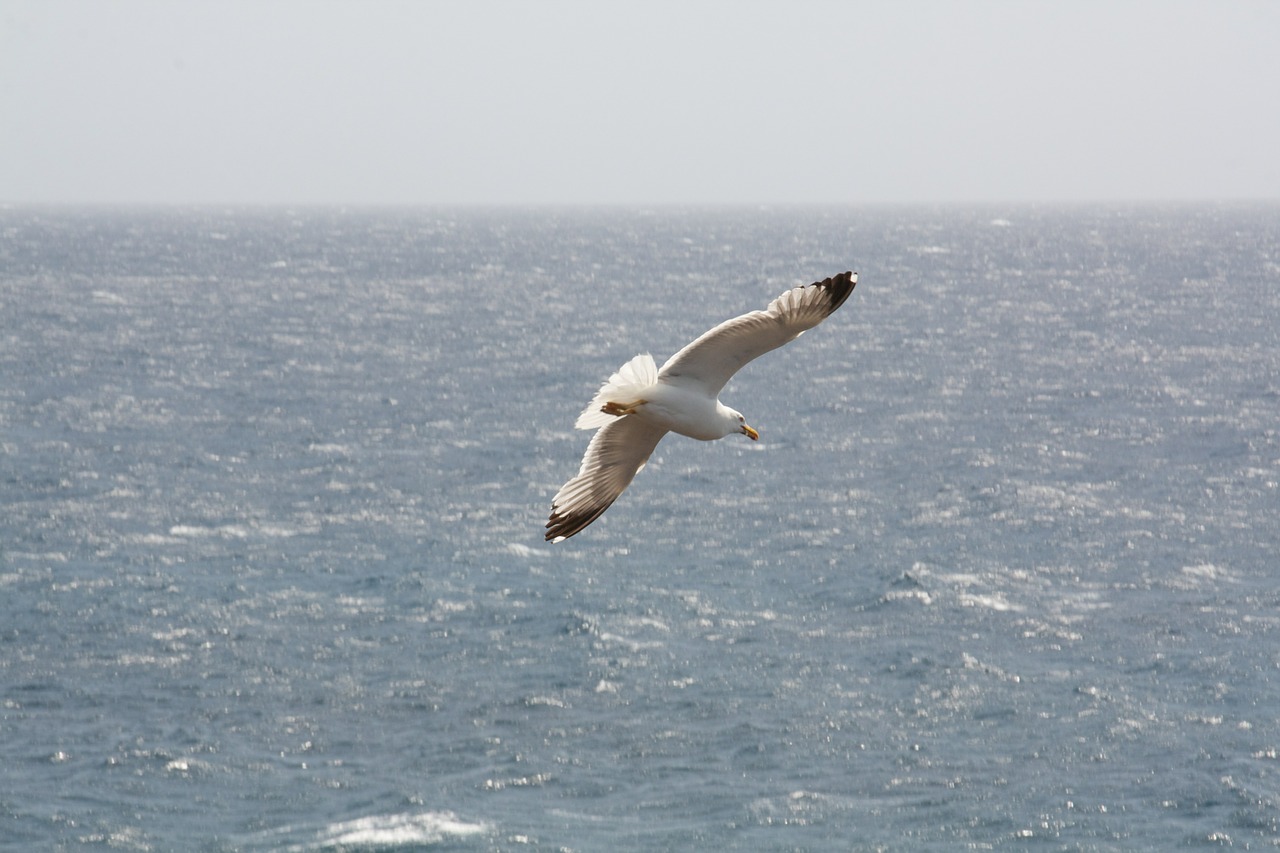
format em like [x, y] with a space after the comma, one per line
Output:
[639, 404]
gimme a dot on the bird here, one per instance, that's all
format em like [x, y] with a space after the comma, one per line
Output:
[639, 403]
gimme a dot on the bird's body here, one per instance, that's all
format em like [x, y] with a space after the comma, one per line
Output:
[639, 404]
[683, 410]
[674, 406]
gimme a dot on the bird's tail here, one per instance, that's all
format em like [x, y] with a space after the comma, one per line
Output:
[624, 389]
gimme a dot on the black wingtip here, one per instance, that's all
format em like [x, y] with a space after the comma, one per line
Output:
[839, 287]
[561, 527]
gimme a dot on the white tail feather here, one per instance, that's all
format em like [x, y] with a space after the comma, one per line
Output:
[625, 387]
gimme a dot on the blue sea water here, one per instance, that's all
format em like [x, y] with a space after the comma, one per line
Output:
[1000, 574]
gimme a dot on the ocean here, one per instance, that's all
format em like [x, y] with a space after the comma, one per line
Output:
[1001, 572]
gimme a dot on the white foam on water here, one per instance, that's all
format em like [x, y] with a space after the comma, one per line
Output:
[400, 830]
[521, 550]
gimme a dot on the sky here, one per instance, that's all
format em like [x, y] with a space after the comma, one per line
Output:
[526, 102]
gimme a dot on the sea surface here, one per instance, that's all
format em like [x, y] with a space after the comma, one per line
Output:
[1003, 571]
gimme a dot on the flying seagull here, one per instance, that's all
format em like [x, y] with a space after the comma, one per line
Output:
[640, 404]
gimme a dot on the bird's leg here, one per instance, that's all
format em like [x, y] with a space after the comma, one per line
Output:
[620, 409]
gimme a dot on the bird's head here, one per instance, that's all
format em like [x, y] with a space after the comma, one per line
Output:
[737, 423]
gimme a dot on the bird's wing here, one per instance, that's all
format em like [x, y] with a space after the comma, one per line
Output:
[617, 452]
[709, 361]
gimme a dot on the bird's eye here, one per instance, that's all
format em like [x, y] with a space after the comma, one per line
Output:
[741, 419]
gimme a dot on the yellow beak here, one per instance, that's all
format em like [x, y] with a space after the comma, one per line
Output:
[750, 433]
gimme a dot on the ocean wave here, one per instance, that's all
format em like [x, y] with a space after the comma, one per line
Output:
[397, 830]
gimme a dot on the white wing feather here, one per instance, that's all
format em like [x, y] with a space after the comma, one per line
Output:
[615, 455]
[714, 357]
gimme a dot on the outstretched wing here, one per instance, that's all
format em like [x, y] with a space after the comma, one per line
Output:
[617, 452]
[709, 361]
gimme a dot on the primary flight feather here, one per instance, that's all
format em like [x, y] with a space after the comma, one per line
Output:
[640, 403]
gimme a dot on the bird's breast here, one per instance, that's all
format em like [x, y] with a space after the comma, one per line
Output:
[684, 411]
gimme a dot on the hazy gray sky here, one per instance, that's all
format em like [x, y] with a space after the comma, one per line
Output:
[612, 101]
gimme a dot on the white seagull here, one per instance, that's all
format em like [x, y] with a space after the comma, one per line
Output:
[640, 404]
